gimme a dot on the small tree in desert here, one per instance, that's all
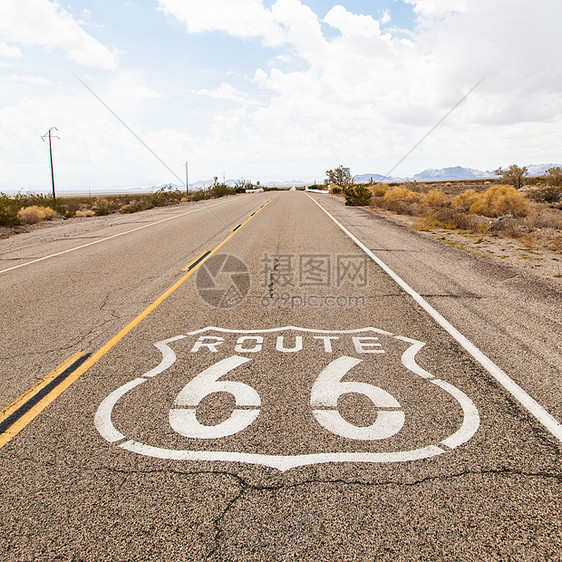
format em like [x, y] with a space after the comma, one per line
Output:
[513, 175]
[336, 177]
[553, 176]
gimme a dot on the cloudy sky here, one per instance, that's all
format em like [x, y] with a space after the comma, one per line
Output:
[273, 89]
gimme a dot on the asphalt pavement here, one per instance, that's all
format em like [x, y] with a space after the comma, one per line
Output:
[274, 376]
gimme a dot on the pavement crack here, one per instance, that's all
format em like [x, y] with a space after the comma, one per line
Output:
[271, 284]
[217, 522]
[246, 485]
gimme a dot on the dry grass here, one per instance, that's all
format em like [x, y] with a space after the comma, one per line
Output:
[380, 189]
[499, 210]
[84, 213]
[36, 214]
[463, 201]
[435, 198]
[426, 224]
[500, 200]
[401, 194]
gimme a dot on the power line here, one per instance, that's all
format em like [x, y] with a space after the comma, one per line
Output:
[435, 126]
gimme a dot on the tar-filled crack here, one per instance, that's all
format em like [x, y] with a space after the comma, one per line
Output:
[271, 284]
[246, 487]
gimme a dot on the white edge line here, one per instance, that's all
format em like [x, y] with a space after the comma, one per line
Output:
[529, 403]
[105, 239]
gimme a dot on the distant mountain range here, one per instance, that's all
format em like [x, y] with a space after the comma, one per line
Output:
[366, 178]
[454, 173]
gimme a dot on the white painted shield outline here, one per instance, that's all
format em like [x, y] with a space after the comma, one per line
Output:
[468, 428]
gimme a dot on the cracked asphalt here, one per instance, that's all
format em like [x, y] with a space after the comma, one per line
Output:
[349, 425]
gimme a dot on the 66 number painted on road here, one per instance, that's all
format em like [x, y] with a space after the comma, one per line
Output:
[325, 394]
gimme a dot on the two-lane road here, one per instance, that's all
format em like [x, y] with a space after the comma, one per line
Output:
[278, 377]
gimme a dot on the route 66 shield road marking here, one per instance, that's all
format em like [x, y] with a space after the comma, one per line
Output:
[241, 350]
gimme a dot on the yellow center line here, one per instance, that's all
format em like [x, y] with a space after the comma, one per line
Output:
[10, 433]
[193, 261]
[27, 417]
[35, 389]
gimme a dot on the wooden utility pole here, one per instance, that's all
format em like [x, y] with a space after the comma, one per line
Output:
[51, 156]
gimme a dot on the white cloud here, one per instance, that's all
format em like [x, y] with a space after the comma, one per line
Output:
[34, 80]
[44, 23]
[240, 18]
[226, 92]
[10, 51]
[386, 16]
[128, 86]
[369, 93]
[437, 8]
[352, 24]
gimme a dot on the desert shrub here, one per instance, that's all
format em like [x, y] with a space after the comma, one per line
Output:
[463, 201]
[221, 190]
[200, 194]
[395, 199]
[473, 223]
[166, 195]
[546, 194]
[50, 214]
[427, 223]
[401, 194]
[357, 195]
[102, 207]
[84, 213]
[501, 200]
[335, 189]
[413, 186]
[547, 218]
[435, 198]
[380, 189]
[35, 214]
[138, 205]
[509, 227]
[446, 216]
[553, 176]
[402, 200]
[9, 211]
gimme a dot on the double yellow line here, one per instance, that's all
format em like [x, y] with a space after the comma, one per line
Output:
[27, 407]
